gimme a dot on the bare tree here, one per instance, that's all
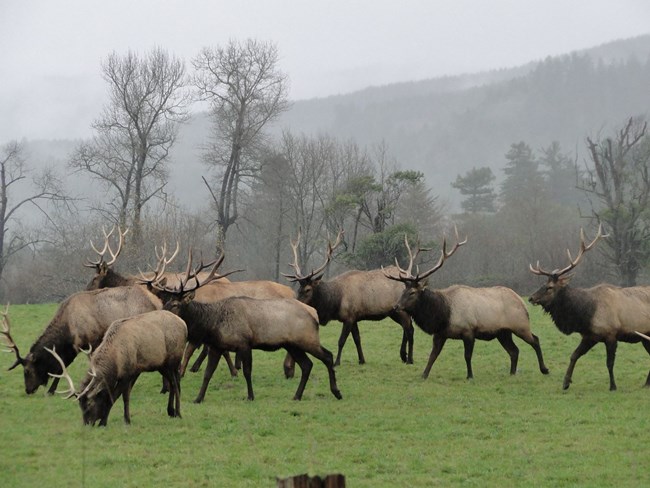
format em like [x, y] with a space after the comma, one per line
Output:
[246, 90]
[619, 179]
[16, 194]
[148, 100]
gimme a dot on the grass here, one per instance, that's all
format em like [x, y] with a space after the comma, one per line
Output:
[391, 429]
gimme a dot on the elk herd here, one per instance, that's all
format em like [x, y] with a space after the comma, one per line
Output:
[130, 324]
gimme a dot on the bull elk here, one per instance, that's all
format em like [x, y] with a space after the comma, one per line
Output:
[242, 324]
[350, 297]
[153, 341]
[603, 313]
[463, 312]
[80, 321]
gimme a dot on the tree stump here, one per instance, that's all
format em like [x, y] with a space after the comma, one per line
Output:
[306, 481]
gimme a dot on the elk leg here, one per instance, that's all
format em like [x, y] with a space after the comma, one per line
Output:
[646, 345]
[187, 354]
[438, 342]
[469, 350]
[406, 349]
[305, 369]
[328, 360]
[357, 342]
[53, 386]
[197, 364]
[233, 368]
[177, 387]
[533, 340]
[247, 366]
[237, 360]
[583, 348]
[610, 346]
[505, 339]
[165, 385]
[289, 366]
[173, 402]
[126, 398]
[213, 361]
[345, 332]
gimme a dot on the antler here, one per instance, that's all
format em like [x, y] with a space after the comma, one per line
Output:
[406, 274]
[298, 276]
[193, 274]
[64, 374]
[642, 335]
[107, 247]
[71, 392]
[11, 345]
[556, 273]
[163, 261]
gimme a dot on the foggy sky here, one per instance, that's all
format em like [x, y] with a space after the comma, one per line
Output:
[51, 50]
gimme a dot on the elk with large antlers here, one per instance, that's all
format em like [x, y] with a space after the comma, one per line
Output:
[603, 313]
[242, 324]
[466, 313]
[350, 297]
[80, 321]
[153, 341]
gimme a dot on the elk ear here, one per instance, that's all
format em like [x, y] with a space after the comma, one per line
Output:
[188, 297]
[103, 268]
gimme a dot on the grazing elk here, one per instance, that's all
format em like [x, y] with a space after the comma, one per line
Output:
[242, 324]
[351, 297]
[152, 341]
[603, 313]
[80, 321]
[466, 313]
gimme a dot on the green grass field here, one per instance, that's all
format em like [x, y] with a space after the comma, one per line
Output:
[391, 429]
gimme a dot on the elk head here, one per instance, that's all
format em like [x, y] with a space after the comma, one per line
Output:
[558, 279]
[34, 376]
[416, 284]
[105, 276]
[308, 282]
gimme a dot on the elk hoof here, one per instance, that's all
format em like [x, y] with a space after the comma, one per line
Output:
[337, 394]
[544, 370]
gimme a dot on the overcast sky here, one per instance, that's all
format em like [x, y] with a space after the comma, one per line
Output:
[51, 50]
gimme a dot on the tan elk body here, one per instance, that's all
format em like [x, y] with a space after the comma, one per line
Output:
[242, 324]
[603, 313]
[153, 341]
[465, 313]
[349, 298]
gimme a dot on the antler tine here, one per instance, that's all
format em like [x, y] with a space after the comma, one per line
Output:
[120, 243]
[443, 255]
[330, 249]
[539, 271]
[583, 248]
[10, 343]
[296, 267]
[72, 391]
[642, 335]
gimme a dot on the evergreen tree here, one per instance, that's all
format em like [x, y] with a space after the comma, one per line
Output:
[476, 185]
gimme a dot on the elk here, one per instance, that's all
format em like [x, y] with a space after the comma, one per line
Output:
[463, 312]
[603, 313]
[80, 321]
[350, 297]
[152, 341]
[242, 324]
[219, 290]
